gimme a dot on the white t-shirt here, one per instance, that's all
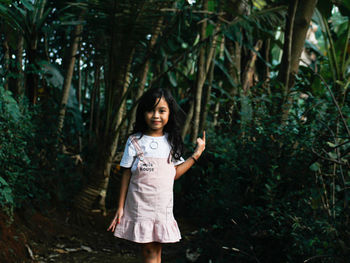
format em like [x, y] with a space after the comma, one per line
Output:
[161, 151]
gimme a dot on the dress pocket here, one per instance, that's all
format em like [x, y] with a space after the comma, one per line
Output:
[146, 206]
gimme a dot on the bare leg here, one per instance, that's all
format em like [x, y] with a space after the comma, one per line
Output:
[152, 252]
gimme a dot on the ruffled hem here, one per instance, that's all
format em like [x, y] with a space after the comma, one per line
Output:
[148, 231]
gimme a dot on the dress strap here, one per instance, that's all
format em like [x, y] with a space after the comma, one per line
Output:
[137, 146]
[169, 157]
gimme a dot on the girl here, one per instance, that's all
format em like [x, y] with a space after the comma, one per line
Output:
[152, 161]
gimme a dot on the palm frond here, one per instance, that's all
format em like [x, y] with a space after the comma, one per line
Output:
[263, 22]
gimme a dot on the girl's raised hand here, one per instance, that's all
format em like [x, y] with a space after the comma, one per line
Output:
[200, 146]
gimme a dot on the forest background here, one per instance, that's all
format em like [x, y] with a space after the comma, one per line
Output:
[267, 79]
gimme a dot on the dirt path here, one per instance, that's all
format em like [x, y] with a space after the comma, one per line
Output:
[92, 243]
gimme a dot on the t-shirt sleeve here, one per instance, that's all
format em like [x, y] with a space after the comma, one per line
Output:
[177, 162]
[128, 155]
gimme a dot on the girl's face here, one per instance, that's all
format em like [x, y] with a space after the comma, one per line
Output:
[157, 118]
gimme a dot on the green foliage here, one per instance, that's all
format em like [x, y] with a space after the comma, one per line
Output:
[257, 190]
[25, 20]
[16, 134]
[31, 173]
[264, 190]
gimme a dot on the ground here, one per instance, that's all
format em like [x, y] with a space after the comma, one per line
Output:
[55, 237]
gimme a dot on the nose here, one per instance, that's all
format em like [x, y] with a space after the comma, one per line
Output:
[155, 114]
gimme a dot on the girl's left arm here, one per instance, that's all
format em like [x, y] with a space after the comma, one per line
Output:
[183, 168]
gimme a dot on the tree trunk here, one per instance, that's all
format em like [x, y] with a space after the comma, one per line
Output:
[187, 123]
[198, 91]
[233, 63]
[299, 26]
[32, 78]
[116, 134]
[266, 85]
[79, 80]
[94, 90]
[86, 84]
[200, 78]
[144, 73]
[216, 110]
[32, 67]
[249, 70]
[18, 83]
[207, 92]
[208, 89]
[98, 182]
[287, 47]
[112, 150]
[68, 78]
[80, 146]
[97, 110]
[217, 103]
[302, 21]
[247, 83]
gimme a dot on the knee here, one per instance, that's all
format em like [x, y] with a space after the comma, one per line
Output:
[151, 250]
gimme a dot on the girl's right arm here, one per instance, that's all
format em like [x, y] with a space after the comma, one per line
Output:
[124, 184]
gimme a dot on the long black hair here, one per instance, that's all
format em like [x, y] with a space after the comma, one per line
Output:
[149, 101]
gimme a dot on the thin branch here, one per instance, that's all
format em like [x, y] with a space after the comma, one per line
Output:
[343, 69]
[176, 10]
[333, 98]
[327, 159]
[317, 257]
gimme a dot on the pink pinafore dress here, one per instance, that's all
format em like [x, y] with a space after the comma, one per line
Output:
[148, 210]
